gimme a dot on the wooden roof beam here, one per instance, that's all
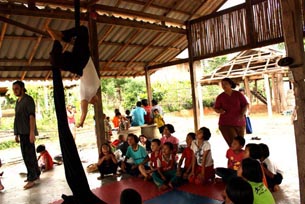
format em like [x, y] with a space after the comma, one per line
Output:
[60, 14]
[104, 8]
[167, 64]
[144, 48]
[24, 26]
[133, 36]
[4, 27]
[156, 6]
[173, 42]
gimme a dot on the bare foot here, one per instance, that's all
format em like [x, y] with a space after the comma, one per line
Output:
[29, 185]
[170, 185]
[55, 34]
[1, 187]
[163, 187]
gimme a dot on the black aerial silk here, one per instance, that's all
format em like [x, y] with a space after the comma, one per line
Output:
[75, 174]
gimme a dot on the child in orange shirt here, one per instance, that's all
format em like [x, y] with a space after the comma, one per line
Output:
[45, 161]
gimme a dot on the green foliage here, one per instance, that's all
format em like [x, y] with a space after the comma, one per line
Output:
[8, 144]
[211, 64]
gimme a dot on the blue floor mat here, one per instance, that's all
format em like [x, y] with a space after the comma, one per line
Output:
[181, 197]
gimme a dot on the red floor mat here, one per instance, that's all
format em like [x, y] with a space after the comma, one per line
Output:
[213, 190]
[110, 193]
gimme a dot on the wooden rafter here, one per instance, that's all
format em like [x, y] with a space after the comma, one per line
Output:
[133, 36]
[133, 13]
[107, 33]
[24, 26]
[147, 5]
[156, 37]
[60, 14]
[173, 42]
[156, 6]
[173, 7]
[4, 27]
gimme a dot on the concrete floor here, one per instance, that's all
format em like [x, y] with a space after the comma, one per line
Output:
[277, 133]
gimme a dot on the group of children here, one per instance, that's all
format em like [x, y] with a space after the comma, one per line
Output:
[250, 176]
[259, 175]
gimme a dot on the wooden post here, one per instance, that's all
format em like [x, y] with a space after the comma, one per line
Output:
[247, 88]
[199, 73]
[98, 107]
[282, 95]
[293, 35]
[148, 86]
[276, 98]
[267, 89]
[193, 78]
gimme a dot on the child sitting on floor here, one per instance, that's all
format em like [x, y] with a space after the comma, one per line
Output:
[238, 191]
[254, 151]
[137, 153]
[187, 156]
[45, 161]
[235, 155]
[107, 163]
[251, 171]
[154, 156]
[202, 162]
[165, 176]
[272, 173]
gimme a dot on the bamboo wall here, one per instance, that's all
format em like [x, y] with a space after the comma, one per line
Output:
[249, 25]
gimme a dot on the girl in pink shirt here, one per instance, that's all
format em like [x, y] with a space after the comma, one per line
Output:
[168, 137]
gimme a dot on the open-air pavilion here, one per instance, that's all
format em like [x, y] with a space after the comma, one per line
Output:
[131, 38]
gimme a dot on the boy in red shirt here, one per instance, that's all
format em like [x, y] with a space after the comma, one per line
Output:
[235, 155]
[187, 155]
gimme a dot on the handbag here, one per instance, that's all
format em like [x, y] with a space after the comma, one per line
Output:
[248, 125]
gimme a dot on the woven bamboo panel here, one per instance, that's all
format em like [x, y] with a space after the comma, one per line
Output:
[243, 27]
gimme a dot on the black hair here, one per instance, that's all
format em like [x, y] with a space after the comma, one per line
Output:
[127, 112]
[252, 170]
[144, 102]
[170, 145]
[136, 139]
[206, 133]
[139, 104]
[156, 141]
[117, 114]
[116, 110]
[142, 136]
[264, 150]
[230, 81]
[241, 140]
[254, 150]
[130, 195]
[239, 191]
[154, 102]
[192, 135]
[108, 145]
[170, 128]
[21, 84]
[40, 148]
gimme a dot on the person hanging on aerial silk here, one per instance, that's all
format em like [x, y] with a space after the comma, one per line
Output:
[79, 62]
[76, 62]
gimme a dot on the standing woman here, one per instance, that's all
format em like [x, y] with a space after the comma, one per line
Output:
[232, 106]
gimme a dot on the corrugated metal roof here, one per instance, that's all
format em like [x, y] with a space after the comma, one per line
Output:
[132, 34]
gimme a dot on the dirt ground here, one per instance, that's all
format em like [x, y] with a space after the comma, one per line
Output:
[277, 132]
